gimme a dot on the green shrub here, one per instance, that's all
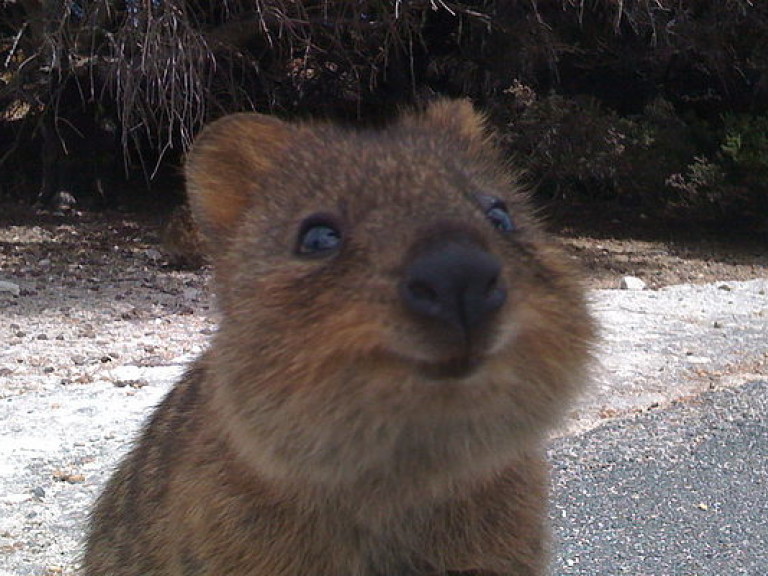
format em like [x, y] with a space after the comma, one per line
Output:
[733, 180]
[577, 149]
[702, 187]
[745, 142]
[571, 147]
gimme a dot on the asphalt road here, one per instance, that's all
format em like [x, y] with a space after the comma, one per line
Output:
[681, 491]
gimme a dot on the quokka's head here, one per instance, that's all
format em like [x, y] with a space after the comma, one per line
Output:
[382, 283]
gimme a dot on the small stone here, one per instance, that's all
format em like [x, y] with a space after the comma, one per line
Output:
[63, 476]
[63, 201]
[10, 287]
[123, 376]
[191, 293]
[136, 313]
[44, 262]
[153, 254]
[632, 283]
[42, 336]
[38, 492]
[724, 287]
[49, 370]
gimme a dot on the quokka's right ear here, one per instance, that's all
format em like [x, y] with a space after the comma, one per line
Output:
[225, 168]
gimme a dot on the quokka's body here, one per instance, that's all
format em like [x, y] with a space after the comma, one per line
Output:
[397, 337]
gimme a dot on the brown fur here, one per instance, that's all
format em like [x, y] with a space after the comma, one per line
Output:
[316, 437]
[180, 239]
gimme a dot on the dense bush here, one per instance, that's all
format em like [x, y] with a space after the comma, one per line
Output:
[655, 103]
[577, 149]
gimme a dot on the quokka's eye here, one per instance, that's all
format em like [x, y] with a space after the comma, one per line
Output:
[319, 235]
[498, 215]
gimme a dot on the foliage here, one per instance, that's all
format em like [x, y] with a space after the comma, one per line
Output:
[579, 148]
[572, 146]
[642, 101]
[734, 179]
[745, 143]
[166, 66]
[702, 187]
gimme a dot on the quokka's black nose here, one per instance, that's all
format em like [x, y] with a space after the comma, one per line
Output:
[455, 283]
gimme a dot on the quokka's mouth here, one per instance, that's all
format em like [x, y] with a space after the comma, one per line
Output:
[453, 368]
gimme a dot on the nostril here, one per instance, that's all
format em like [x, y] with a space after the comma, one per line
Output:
[422, 291]
[492, 285]
[422, 298]
[495, 294]
[494, 298]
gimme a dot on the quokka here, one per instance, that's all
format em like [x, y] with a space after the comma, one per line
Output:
[398, 335]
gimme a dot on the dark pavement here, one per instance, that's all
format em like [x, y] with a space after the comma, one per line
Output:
[680, 491]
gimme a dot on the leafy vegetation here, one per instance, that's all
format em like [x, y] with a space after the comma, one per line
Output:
[659, 104]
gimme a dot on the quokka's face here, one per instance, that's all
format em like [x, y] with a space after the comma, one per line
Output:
[394, 279]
